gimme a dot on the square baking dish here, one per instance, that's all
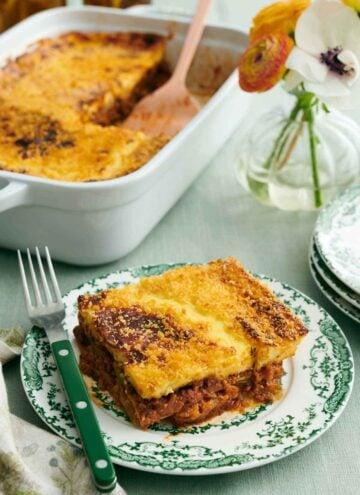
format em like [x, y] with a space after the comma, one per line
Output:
[94, 223]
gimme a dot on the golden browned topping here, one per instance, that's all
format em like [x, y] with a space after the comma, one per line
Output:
[76, 75]
[36, 144]
[132, 330]
[32, 134]
[63, 99]
[190, 323]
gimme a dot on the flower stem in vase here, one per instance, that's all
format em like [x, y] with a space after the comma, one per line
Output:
[292, 144]
[282, 138]
[313, 141]
[306, 106]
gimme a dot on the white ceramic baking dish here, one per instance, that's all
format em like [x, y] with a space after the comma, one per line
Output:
[93, 223]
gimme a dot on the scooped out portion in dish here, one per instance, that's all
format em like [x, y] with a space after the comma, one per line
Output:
[63, 101]
[189, 344]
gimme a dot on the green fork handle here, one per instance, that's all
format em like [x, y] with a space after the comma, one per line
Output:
[100, 464]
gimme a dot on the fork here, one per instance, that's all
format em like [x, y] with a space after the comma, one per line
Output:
[49, 313]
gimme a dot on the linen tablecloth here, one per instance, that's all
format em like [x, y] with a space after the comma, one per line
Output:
[216, 218]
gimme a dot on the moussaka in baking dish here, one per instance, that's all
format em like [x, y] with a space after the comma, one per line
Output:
[189, 344]
[62, 103]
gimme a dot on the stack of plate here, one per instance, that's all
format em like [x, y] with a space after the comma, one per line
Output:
[334, 256]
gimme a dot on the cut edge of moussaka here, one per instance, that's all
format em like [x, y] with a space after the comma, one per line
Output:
[86, 77]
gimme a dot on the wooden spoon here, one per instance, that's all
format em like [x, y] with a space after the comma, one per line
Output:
[168, 109]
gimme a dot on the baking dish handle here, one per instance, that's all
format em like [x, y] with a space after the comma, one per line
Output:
[13, 194]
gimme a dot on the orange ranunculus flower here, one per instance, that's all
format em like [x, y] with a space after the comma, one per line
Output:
[262, 65]
[355, 4]
[278, 17]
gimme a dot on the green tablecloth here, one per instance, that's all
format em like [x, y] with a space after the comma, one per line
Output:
[216, 218]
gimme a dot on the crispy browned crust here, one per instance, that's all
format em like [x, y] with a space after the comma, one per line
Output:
[133, 331]
[62, 99]
[35, 144]
[263, 316]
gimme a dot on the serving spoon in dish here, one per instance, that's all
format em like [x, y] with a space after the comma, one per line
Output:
[168, 109]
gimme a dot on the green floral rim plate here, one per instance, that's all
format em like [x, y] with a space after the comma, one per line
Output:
[333, 296]
[332, 281]
[337, 237]
[317, 384]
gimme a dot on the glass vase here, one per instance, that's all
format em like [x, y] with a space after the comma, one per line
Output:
[301, 159]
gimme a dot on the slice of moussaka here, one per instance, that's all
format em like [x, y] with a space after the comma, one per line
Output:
[63, 101]
[189, 344]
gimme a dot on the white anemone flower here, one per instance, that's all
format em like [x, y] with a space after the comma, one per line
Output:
[326, 58]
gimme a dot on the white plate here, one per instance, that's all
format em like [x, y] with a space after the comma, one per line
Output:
[337, 237]
[333, 297]
[332, 281]
[317, 385]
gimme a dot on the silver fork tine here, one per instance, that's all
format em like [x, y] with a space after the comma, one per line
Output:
[34, 280]
[29, 306]
[43, 277]
[53, 276]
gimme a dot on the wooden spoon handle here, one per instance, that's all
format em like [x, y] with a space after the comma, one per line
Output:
[192, 39]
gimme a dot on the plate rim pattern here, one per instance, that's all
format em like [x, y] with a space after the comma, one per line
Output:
[323, 222]
[331, 279]
[339, 302]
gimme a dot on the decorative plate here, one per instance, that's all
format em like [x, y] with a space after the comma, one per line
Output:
[333, 296]
[337, 237]
[317, 384]
[333, 282]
